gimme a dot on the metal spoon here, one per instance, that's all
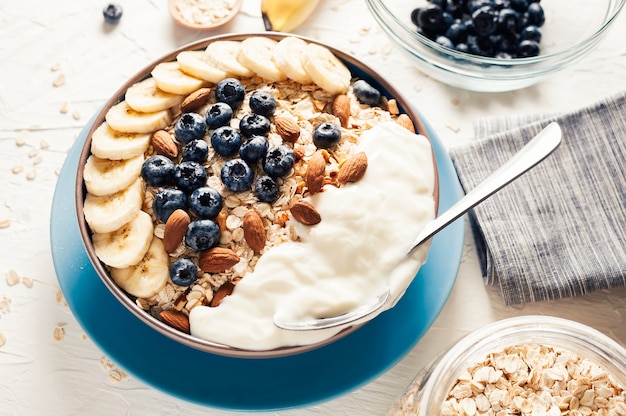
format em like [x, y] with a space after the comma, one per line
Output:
[530, 155]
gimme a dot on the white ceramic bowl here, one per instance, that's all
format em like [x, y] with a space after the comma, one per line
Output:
[571, 30]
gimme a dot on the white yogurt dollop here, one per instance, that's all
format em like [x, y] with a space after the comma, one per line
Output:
[352, 256]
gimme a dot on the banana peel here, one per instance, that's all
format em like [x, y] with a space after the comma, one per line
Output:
[286, 15]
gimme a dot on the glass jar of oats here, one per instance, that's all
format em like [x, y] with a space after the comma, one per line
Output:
[529, 365]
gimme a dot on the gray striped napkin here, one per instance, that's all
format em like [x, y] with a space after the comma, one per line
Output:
[560, 229]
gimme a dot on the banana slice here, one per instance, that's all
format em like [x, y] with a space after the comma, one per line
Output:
[170, 78]
[107, 143]
[145, 97]
[149, 276]
[256, 54]
[325, 69]
[108, 213]
[127, 246]
[197, 65]
[126, 120]
[288, 55]
[223, 54]
[106, 177]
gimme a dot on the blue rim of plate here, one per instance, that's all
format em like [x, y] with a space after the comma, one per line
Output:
[252, 384]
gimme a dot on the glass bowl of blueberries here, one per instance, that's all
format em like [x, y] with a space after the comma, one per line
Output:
[495, 45]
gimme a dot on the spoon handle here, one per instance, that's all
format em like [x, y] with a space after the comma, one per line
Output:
[530, 155]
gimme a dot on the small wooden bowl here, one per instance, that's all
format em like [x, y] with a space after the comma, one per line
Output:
[182, 12]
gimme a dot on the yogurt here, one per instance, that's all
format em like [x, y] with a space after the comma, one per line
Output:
[356, 253]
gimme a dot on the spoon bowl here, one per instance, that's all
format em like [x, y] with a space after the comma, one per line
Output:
[192, 15]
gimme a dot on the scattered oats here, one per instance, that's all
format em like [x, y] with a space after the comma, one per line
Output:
[418, 86]
[12, 277]
[76, 115]
[59, 332]
[17, 169]
[387, 48]
[57, 171]
[453, 126]
[5, 223]
[33, 152]
[354, 39]
[455, 101]
[55, 67]
[365, 29]
[373, 50]
[117, 375]
[20, 140]
[64, 107]
[37, 160]
[3, 339]
[31, 174]
[202, 12]
[59, 80]
[5, 305]
[28, 282]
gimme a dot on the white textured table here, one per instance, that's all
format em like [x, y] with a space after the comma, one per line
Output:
[47, 364]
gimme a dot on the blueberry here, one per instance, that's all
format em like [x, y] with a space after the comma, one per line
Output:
[263, 103]
[527, 48]
[519, 5]
[254, 149]
[158, 171]
[254, 125]
[365, 93]
[218, 115]
[230, 91]
[183, 272]
[196, 151]
[226, 141]
[457, 32]
[530, 33]
[536, 15]
[485, 20]
[431, 19]
[112, 13]
[508, 21]
[166, 201]
[444, 41]
[189, 176]
[266, 189]
[202, 234]
[237, 175]
[205, 202]
[326, 135]
[278, 161]
[189, 126]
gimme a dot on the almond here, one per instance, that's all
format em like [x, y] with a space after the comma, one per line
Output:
[195, 100]
[352, 169]
[287, 128]
[225, 290]
[164, 144]
[175, 229]
[176, 319]
[315, 170]
[217, 260]
[341, 109]
[254, 231]
[405, 121]
[305, 213]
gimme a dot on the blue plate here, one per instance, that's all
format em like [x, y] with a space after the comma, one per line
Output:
[252, 384]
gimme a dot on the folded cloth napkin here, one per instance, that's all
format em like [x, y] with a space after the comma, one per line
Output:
[560, 229]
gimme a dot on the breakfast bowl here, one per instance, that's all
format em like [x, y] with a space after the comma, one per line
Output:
[530, 364]
[177, 222]
[564, 31]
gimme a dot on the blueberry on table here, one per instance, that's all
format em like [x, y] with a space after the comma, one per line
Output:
[189, 176]
[278, 161]
[253, 149]
[158, 171]
[365, 93]
[226, 140]
[190, 126]
[237, 175]
[166, 201]
[230, 91]
[263, 103]
[202, 234]
[326, 135]
[112, 13]
[266, 189]
[218, 115]
[196, 151]
[183, 272]
[254, 125]
[205, 202]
